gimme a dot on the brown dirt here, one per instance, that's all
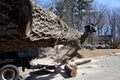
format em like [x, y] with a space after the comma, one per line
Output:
[86, 53]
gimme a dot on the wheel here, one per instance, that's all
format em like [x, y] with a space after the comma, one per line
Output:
[9, 72]
[99, 47]
[88, 47]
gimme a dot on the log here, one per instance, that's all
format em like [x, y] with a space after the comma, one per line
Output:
[83, 62]
[71, 70]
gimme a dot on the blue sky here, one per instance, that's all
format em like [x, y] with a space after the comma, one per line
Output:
[44, 2]
[109, 3]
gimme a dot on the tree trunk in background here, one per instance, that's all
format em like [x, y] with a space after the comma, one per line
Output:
[69, 11]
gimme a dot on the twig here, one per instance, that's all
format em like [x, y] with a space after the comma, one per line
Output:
[3, 21]
[5, 5]
[5, 16]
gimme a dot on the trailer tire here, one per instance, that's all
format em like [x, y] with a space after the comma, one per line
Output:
[9, 72]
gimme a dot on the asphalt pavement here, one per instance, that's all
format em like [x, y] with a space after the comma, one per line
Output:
[100, 68]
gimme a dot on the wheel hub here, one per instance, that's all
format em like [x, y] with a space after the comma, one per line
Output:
[8, 74]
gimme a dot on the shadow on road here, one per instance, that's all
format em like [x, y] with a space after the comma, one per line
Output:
[45, 75]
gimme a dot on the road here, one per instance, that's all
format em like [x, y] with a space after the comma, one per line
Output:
[100, 68]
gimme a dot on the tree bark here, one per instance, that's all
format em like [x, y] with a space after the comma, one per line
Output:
[71, 70]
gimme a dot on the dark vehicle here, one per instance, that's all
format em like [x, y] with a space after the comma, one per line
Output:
[9, 62]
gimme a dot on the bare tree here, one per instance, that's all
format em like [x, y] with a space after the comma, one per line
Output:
[118, 22]
[98, 17]
[114, 22]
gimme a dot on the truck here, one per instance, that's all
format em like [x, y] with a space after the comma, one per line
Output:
[26, 26]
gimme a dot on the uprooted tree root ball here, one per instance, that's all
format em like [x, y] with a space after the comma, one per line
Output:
[24, 24]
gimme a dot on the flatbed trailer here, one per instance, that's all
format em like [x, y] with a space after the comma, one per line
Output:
[10, 61]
